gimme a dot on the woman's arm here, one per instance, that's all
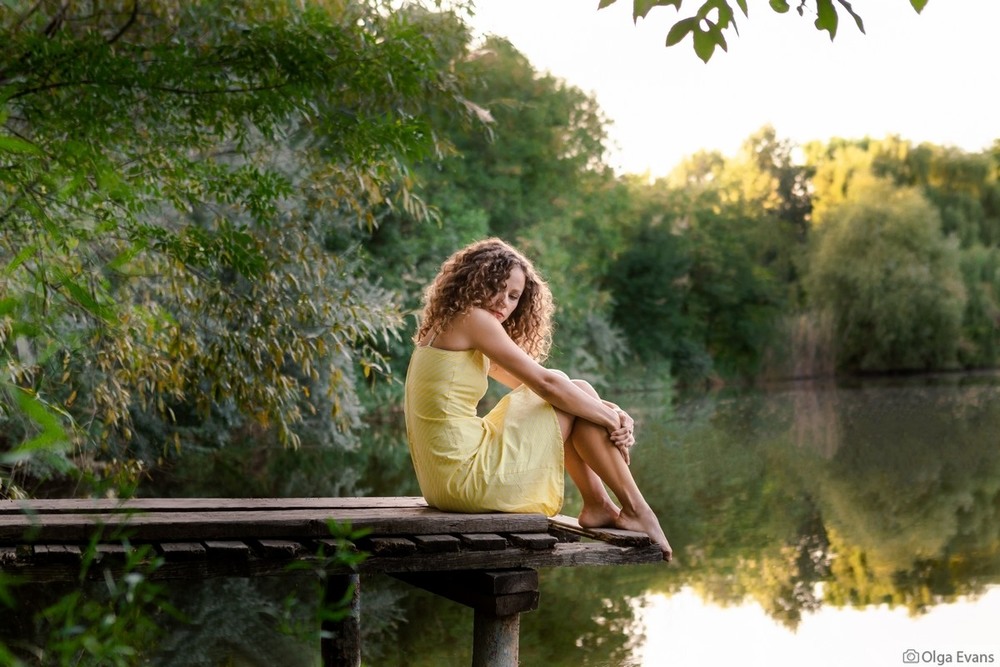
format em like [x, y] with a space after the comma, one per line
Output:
[503, 376]
[485, 333]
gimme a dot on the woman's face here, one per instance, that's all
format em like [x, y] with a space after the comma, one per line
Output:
[505, 302]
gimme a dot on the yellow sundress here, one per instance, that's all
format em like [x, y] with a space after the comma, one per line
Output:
[511, 460]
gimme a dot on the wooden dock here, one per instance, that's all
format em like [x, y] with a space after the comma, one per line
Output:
[488, 562]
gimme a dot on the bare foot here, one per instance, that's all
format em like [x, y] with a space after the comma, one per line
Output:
[644, 521]
[605, 516]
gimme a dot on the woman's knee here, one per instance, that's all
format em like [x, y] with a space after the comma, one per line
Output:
[587, 387]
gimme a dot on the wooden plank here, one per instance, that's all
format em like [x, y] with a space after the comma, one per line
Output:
[56, 553]
[621, 538]
[387, 546]
[282, 549]
[562, 555]
[331, 546]
[183, 550]
[500, 592]
[105, 505]
[112, 550]
[212, 525]
[437, 543]
[229, 549]
[483, 541]
[533, 540]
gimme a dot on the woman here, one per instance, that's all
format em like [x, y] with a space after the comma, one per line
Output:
[488, 313]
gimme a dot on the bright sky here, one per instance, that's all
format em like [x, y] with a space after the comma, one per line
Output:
[927, 77]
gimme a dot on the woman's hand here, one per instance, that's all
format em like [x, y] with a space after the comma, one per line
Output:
[623, 437]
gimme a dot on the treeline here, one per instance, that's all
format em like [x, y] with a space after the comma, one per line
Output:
[217, 220]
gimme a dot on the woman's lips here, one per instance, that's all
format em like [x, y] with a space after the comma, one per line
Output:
[497, 315]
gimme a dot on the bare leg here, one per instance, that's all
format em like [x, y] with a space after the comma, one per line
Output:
[598, 508]
[593, 462]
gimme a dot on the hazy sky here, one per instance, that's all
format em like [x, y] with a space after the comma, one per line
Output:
[928, 77]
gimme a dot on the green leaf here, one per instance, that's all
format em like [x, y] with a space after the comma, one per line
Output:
[606, 3]
[704, 44]
[918, 5]
[641, 7]
[83, 297]
[680, 30]
[780, 6]
[826, 17]
[857, 18]
[52, 432]
[20, 258]
[743, 7]
[10, 144]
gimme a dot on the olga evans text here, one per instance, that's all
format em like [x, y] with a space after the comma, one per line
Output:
[912, 657]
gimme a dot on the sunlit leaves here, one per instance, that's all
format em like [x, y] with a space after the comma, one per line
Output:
[890, 279]
[706, 28]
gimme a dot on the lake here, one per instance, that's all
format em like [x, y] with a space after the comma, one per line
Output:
[815, 523]
[851, 523]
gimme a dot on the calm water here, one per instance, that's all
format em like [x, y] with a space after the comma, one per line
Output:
[812, 525]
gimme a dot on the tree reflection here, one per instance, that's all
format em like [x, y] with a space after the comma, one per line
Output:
[881, 493]
[845, 496]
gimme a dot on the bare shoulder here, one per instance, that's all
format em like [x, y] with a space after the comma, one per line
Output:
[467, 329]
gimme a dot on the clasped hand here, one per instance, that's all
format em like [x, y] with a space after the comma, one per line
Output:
[623, 437]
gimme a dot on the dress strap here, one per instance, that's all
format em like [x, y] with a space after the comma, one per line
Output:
[430, 343]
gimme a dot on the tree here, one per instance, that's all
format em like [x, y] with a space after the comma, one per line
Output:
[171, 175]
[889, 278]
[714, 18]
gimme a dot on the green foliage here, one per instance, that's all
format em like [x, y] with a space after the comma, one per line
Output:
[536, 178]
[980, 342]
[890, 280]
[113, 622]
[170, 179]
[700, 282]
[708, 25]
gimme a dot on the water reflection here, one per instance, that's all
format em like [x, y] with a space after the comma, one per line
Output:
[828, 524]
[798, 502]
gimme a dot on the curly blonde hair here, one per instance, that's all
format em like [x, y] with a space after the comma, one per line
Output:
[472, 277]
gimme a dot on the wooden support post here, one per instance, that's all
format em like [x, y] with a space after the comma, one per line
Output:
[495, 639]
[497, 597]
[340, 645]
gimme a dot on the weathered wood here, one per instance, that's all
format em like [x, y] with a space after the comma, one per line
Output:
[340, 643]
[101, 505]
[210, 525]
[562, 555]
[437, 543]
[387, 546]
[495, 641]
[280, 549]
[483, 541]
[183, 550]
[621, 538]
[499, 592]
[57, 553]
[229, 549]
[112, 550]
[538, 541]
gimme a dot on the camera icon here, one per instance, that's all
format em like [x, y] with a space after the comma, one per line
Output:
[911, 657]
